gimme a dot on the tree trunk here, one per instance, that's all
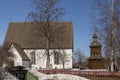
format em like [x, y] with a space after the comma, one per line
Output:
[63, 65]
[48, 53]
[48, 61]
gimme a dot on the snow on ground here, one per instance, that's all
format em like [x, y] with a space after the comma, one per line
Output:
[65, 77]
[94, 70]
[39, 75]
[91, 69]
[9, 76]
[42, 76]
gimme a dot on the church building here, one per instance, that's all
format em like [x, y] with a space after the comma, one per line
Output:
[27, 42]
[95, 61]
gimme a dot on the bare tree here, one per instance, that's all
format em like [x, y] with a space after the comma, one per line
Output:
[47, 13]
[79, 58]
[108, 28]
[63, 57]
[6, 60]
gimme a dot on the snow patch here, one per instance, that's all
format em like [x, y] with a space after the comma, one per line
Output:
[65, 77]
[76, 69]
[9, 76]
[42, 76]
[94, 70]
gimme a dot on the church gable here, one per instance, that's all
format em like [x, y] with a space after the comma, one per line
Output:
[16, 56]
[20, 57]
[21, 53]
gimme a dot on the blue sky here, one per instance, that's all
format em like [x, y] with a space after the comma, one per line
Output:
[77, 11]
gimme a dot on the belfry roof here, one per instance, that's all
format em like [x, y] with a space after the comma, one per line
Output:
[95, 42]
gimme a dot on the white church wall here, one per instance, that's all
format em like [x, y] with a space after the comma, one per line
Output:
[17, 57]
[67, 60]
[40, 58]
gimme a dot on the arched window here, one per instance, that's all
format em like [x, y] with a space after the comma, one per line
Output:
[56, 57]
[32, 57]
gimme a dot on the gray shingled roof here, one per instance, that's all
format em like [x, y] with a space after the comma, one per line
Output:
[30, 35]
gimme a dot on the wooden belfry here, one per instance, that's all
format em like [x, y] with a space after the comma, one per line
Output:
[95, 61]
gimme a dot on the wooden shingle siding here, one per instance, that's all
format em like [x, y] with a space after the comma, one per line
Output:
[95, 61]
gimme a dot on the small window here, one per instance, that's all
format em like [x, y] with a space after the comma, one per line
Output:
[33, 57]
